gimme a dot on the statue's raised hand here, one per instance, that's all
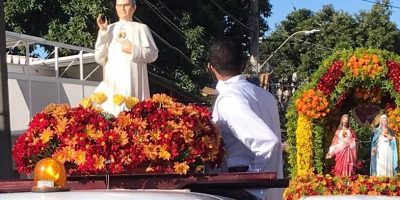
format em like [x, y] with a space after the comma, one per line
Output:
[102, 23]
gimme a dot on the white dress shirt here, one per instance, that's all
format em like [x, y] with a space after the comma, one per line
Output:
[249, 121]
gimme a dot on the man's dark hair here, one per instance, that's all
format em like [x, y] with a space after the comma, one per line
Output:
[226, 56]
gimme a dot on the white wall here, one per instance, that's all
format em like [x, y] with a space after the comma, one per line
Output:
[30, 94]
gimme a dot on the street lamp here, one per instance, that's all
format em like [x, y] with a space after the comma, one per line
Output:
[308, 32]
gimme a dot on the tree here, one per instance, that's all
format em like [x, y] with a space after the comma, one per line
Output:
[186, 26]
[302, 55]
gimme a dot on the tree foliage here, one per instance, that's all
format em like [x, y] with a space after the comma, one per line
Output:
[187, 26]
[339, 30]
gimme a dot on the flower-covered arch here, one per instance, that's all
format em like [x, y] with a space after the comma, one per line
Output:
[342, 81]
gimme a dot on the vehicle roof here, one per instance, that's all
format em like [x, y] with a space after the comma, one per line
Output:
[113, 194]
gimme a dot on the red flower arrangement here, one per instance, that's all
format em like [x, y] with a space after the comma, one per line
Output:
[312, 185]
[331, 78]
[184, 138]
[152, 133]
[394, 74]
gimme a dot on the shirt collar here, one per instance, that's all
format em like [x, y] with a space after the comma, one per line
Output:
[222, 85]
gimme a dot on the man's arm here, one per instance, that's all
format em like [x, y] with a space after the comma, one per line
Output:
[252, 131]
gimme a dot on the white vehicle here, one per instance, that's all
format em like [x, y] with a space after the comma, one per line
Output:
[113, 195]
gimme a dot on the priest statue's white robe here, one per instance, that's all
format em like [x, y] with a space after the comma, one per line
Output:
[124, 73]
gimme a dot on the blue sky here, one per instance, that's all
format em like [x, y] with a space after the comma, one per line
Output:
[281, 8]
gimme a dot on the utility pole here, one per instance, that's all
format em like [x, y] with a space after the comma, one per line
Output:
[254, 21]
[5, 134]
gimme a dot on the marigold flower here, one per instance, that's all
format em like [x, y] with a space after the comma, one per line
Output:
[61, 125]
[46, 135]
[162, 98]
[123, 137]
[181, 168]
[99, 162]
[80, 157]
[57, 110]
[164, 154]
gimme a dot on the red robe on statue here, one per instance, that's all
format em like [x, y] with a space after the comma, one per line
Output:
[344, 150]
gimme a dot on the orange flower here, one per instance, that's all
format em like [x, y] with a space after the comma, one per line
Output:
[181, 168]
[80, 157]
[99, 162]
[312, 104]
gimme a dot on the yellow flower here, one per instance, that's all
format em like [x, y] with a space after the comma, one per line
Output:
[181, 168]
[99, 98]
[80, 157]
[46, 135]
[99, 162]
[131, 101]
[118, 99]
[304, 146]
[164, 154]
[86, 102]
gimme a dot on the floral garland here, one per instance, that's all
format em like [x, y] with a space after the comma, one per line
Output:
[394, 124]
[311, 185]
[365, 66]
[394, 74]
[312, 104]
[333, 81]
[331, 78]
[303, 139]
[157, 134]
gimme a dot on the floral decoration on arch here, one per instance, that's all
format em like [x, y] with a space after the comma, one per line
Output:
[363, 73]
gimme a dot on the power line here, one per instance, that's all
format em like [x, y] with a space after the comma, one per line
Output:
[170, 46]
[378, 2]
[170, 12]
[166, 43]
[230, 15]
[165, 19]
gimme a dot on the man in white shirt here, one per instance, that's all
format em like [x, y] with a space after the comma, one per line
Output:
[248, 118]
[124, 48]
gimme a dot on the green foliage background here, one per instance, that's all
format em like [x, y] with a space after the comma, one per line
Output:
[187, 25]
